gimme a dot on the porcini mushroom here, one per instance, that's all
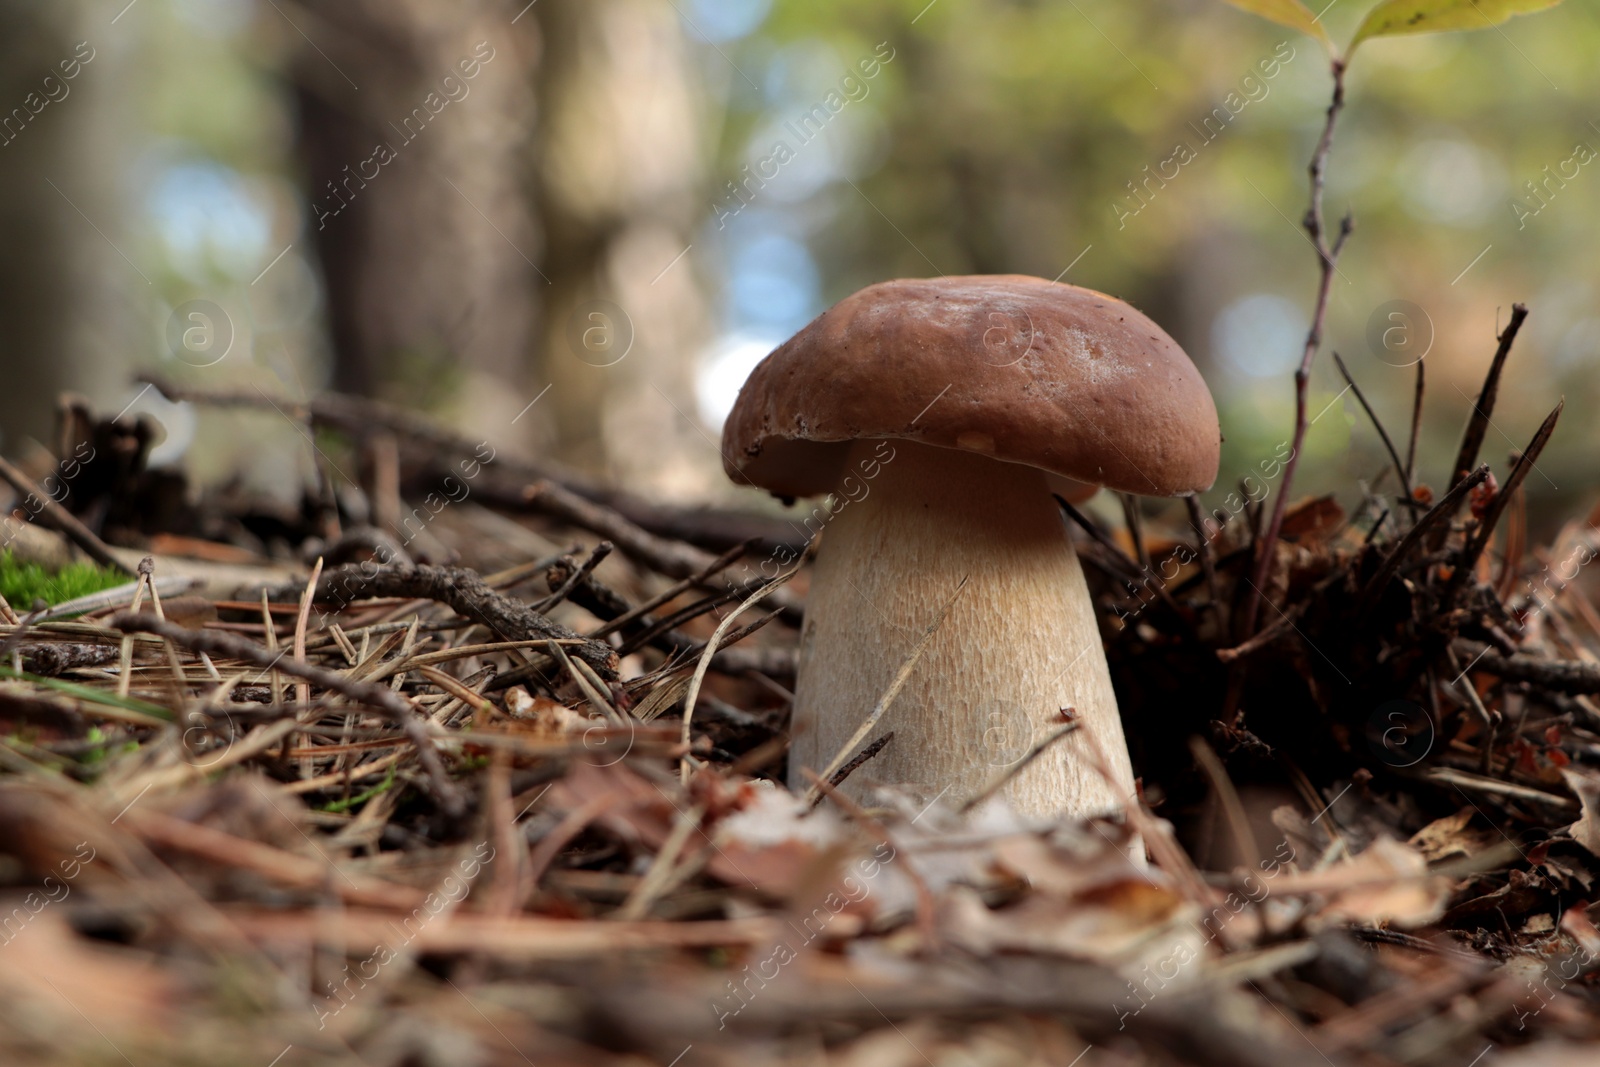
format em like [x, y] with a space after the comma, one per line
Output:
[937, 413]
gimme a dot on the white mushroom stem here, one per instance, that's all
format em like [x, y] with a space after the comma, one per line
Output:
[1019, 644]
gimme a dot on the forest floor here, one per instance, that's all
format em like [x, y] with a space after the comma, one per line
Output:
[373, 809]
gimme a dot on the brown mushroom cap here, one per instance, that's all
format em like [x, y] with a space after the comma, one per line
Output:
[1065, 379]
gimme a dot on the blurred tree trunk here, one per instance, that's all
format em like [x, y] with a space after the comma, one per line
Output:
[414, 120]
[622, 157]
[472, 261]
[66, 293]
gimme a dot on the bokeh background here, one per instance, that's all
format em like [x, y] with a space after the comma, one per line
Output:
[471, 207]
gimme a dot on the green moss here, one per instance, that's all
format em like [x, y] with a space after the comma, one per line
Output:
[23, 583]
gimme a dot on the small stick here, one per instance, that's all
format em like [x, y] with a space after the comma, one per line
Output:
[1464, 683]
[383, 452]
[1491, 518]
[1253, 512]
[659, 628]
[1416, 423]
[601, 551]
[1208, 561]
[62, 519]
[1135, 574]
[1286, 618]
[281, 866]
[1328, 257]
[430, 451]
[146, 569]
[1483, 408]
[867, 753]
[758, 757]
[571, 824]
[1264, 636]
[1480, 784]
[1376, 526]
[730, 639]
[1563, 676]
[125, 664]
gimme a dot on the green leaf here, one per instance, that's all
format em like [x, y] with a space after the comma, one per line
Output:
[1394, 17]
[1290, 13]
[90, 695]
[350, 802]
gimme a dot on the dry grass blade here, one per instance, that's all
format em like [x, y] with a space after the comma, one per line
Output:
[286, 868]
[377, 696]
[723, 650]
[303, 690]
[460, 652]
[672, 592]
[346, 776]
[1400, 469]
[711, 649]
[673, 558]
[659, 876]
[1480, 784]
[456, 688]
[648, 634]
[465, 592]
[593, 695]
[167, 585]
[1228, 796]
[1018, 767]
